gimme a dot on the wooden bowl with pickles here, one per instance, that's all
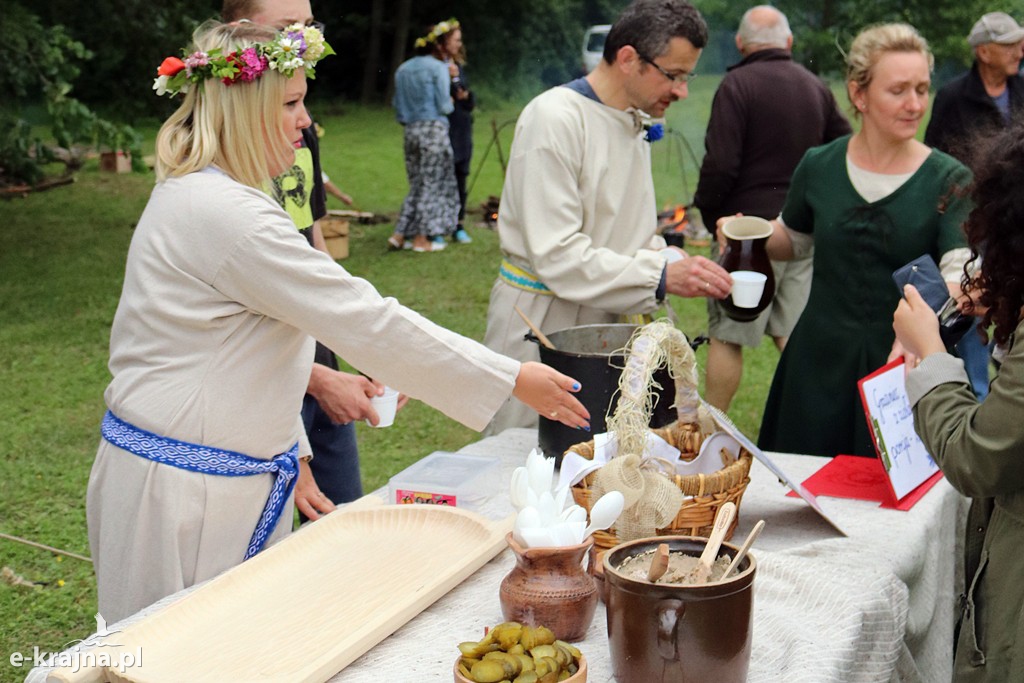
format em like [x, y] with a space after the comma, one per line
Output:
[514, 653]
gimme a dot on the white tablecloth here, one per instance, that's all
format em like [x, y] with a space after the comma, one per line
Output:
[876, 606]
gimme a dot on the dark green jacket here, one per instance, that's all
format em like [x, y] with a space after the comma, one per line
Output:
[980, 448]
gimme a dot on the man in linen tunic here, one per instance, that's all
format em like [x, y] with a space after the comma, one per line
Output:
[578, 219]
[212, 344]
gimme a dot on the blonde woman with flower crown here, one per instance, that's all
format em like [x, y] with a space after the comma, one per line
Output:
[212, 343]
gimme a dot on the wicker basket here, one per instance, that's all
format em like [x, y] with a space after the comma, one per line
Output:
[696, 515]
[705, 493]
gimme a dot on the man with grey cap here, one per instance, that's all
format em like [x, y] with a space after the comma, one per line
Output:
[989, 96]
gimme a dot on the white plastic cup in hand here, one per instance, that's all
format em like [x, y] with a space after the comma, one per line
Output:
[385, 405]
[747, 287]
[671, 254]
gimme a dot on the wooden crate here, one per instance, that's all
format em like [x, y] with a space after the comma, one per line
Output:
[115, 162]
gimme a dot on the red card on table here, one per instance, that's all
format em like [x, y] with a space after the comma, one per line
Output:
[851, 476]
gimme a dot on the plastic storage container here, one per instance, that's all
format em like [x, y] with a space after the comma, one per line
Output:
[465, 481]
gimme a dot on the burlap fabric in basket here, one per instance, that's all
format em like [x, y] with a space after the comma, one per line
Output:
[694, 499]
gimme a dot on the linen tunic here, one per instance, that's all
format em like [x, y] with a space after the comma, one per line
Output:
[578, 211]
[845, 331]
[980, 449]
[212, 343]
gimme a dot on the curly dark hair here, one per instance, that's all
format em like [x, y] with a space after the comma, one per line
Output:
[995, 229]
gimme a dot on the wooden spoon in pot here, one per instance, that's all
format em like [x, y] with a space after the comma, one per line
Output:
[723, 520]
[659, 563]
[533, 328]
[751, 537]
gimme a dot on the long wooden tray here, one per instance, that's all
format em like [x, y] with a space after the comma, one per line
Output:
[310, 605]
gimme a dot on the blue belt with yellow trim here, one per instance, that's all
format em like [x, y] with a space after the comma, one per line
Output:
[522, 279]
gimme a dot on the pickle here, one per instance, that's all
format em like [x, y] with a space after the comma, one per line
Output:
[511, 663]
[507, 634]
[534, 636]
[573, 650]
[513, 653]
[487, 671]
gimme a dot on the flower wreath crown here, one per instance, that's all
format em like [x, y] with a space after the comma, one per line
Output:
[295, 47]
[439, 30]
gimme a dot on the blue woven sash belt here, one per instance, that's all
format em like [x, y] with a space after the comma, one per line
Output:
[210, 460]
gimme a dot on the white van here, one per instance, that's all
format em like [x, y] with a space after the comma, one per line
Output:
[593, 45]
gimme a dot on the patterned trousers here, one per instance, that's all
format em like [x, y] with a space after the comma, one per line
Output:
[432, 206]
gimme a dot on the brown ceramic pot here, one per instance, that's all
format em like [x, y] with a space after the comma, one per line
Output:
[549, 587]
[747, 250]
[667, 633]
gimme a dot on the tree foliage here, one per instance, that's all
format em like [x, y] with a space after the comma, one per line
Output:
[42, 65]
[109, 49]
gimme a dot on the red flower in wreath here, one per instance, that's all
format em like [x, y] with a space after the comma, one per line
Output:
[170, 66]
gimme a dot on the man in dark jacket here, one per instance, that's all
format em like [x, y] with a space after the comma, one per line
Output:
[766, 113]
[989, 96]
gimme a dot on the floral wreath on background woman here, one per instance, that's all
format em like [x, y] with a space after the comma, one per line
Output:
[439, 29]
[294, 47]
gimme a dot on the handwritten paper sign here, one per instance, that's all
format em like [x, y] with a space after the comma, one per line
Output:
[891, 422]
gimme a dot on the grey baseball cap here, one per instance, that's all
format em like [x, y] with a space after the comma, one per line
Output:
[995, 27]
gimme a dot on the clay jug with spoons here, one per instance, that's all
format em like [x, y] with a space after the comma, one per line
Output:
[746, 258]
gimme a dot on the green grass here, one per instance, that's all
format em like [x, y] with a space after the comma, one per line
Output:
[61, 267]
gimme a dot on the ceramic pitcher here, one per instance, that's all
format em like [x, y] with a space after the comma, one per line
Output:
[747, 251]
[549, 587]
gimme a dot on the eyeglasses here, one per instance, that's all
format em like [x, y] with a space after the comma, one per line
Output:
[678, 79]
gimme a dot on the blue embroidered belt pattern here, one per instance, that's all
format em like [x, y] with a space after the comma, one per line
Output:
[210, 460]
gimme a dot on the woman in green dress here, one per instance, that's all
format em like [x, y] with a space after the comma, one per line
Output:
[868, 204]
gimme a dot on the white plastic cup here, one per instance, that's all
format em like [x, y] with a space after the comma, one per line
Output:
[747, 288]
[385, 405]
[671, 254]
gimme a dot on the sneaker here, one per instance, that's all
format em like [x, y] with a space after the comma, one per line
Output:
[437, 243]
[462, 237]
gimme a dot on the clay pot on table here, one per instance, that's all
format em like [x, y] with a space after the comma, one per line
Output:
[666, 633]
[549, 587]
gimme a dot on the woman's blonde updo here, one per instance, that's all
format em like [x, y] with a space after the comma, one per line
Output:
[227, 125]
[873, 42]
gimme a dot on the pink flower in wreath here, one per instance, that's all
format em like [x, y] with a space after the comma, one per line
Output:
[251, 64]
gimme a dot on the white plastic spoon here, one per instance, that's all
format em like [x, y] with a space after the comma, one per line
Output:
[540, 471]
[575, 513]
[519, 488]
[537, 538]
[561, 495]
[604, 512]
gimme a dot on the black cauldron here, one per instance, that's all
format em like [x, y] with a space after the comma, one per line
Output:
[593, 355]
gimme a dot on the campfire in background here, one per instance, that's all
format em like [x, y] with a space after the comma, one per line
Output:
[490, 211]
[672, 224]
